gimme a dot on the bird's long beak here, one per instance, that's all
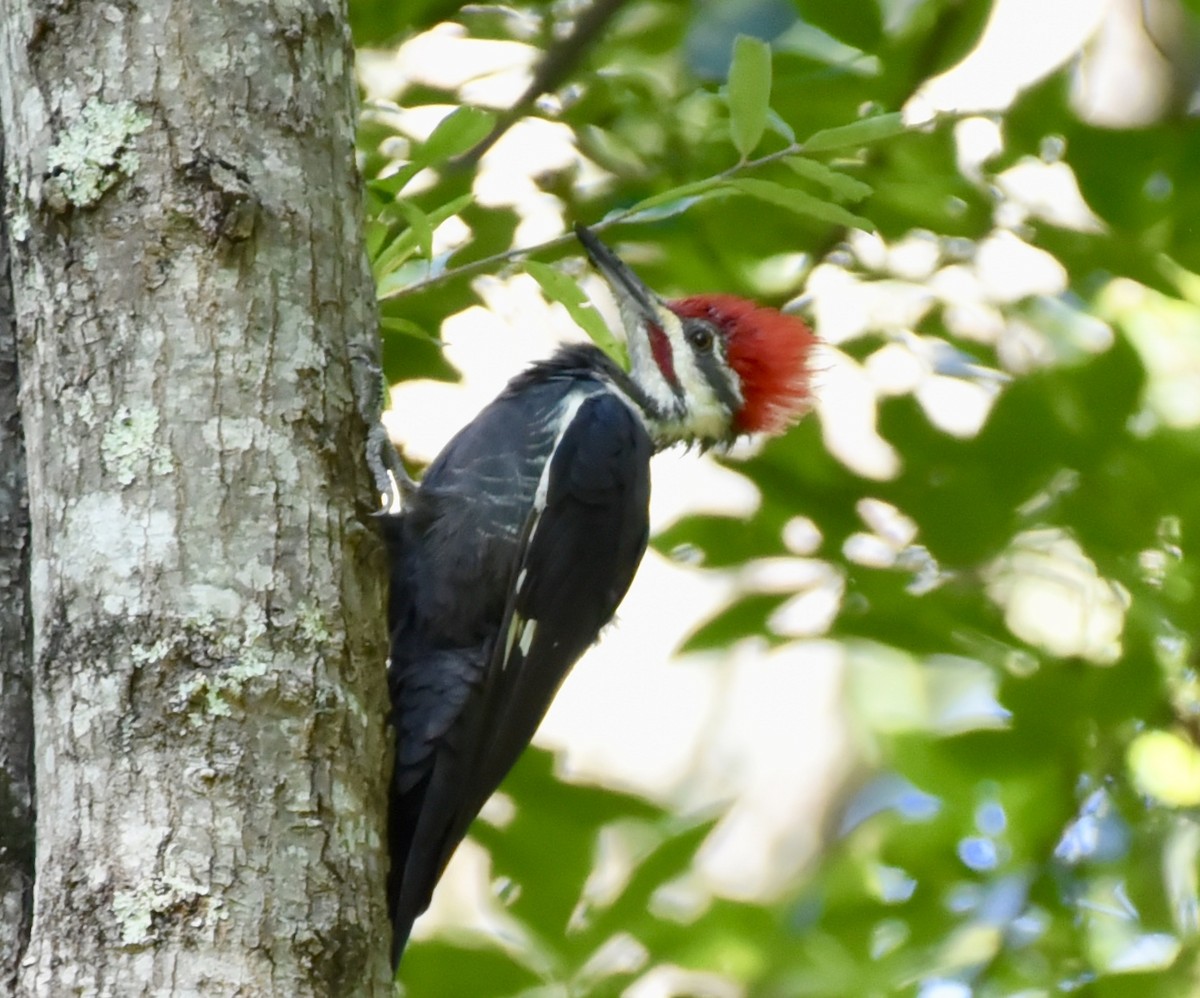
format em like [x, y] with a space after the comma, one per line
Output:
[634, 298]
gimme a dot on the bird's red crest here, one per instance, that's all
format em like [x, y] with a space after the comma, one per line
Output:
[770, 353]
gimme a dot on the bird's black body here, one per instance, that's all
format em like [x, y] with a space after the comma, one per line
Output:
[525, 533]
[514, 552]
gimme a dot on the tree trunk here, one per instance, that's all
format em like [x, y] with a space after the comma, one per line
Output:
[16, 709]
[191, 296]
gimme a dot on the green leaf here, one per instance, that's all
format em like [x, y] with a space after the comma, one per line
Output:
[436, 968]
[375, 236]
[393, 256]
[745, 617]
[379, 23]
[397, 278]
[408, 357]
[857, 24]
[749, 92]
[394, 324]
[843, 187]
[558, 818]
[873, 129]
[420, 226]
[391, 185]
[560, 288]
[410, 240]
[799, 201]
[672, 856]
[681, 196]
[457, 133]
[778, 125]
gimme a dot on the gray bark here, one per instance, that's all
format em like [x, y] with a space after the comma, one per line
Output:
[16, 708]
[208, 694]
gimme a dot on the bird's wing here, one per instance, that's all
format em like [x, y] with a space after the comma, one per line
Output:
[454, 553]
[579, 548]
[583, 542]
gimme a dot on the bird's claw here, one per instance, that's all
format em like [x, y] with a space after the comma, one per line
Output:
[392, 481]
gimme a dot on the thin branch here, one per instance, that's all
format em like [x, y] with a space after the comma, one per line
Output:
[487, 263]
[556, 65]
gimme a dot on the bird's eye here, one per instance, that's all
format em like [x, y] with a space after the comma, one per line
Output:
[700, 336]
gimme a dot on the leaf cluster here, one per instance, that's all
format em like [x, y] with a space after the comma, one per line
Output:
[1024, 820]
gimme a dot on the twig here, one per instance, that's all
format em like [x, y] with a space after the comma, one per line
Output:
[487, 263]
[556, 65]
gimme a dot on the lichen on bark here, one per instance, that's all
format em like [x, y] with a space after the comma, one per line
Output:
[94, 152]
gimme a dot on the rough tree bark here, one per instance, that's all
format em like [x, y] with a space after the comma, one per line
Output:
[16, 710]
[192, 302]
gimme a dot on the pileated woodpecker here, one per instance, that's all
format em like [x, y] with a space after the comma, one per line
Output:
[525, 533]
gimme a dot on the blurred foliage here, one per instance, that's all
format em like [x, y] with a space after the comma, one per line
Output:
[1019, 602]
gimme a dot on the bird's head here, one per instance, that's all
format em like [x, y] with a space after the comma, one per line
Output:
[710, 367]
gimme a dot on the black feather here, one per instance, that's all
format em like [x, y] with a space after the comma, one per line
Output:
[465, 699]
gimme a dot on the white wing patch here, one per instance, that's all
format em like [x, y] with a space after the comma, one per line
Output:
[514, 625]
[521, 631]
[566, 415]
[527, 633]
[520, 634]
